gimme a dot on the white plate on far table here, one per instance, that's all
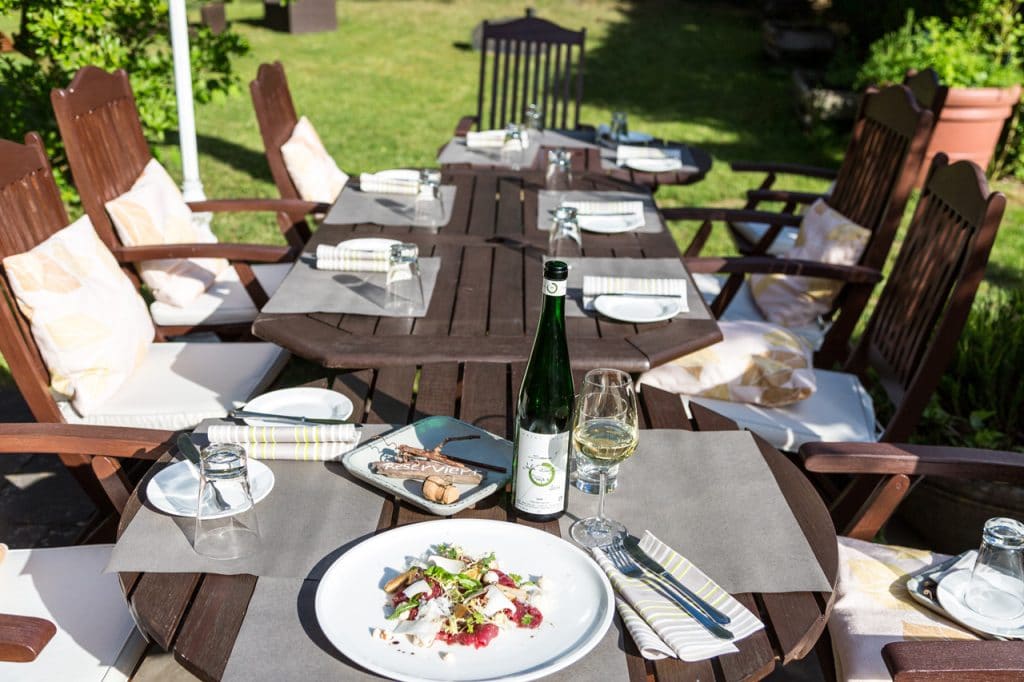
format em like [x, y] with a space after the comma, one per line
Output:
[369, 244]
[350, 603]
[399, 174]
[175, 490]
[951, 597]
[654, 165]
[609, 224]
[634, 137]
[638, 309]
[313, 403]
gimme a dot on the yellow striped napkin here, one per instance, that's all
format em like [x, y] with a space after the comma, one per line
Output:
[341, 257]
[492, 139]
[310, 443]
[659, 627]
[597, 285]
[377, 184]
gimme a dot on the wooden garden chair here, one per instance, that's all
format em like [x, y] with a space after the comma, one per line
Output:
[928, 90]
[177, 385]
[99, 123]
[913, 329]
[528, 61]
[61, 616]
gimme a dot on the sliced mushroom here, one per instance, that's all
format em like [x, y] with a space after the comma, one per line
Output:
[400, 580]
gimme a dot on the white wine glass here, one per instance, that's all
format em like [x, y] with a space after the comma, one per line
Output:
[605, 432]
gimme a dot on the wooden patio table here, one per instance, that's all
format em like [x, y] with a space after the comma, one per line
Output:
[487, 299]
[198, 616]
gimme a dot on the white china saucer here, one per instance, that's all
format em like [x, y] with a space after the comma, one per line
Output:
[951, 597]
[638, 309]
[609, 224]
[314, 403]
[174, 490]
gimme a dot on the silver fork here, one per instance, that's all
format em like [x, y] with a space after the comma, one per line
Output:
[617, 555]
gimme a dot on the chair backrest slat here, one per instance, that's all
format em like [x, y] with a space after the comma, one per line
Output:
[107, 150]
[520, 51]
[927, 89]
[275, 114]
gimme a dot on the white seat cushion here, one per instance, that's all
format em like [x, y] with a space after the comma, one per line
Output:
[873, 607]
[753, 232]
[96, 637]
[839, 410]
[225, 302]
[181, 384]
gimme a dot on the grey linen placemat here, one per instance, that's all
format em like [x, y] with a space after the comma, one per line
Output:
[356, 206]
[629, 267]
[712, 498]
[315, 510]
[609, 155]
[281, 640]
[308, 290]
[456, 152]
[548, 201]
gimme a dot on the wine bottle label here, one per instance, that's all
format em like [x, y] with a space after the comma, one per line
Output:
[554, 287]
[541, 468]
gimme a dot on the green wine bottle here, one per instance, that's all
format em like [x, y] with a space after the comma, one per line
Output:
[540, 455]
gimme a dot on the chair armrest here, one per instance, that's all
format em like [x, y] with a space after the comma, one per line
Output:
[789, 196]
[22, 638]
[466, 124]
[786, 168]
[949, 661]
[854, 274]
[80, 439]
[289, 206]
[731, 215]
[925, 460]
[251, 253]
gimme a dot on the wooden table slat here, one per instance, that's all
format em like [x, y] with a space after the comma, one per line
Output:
[209, 632]
[160, 601]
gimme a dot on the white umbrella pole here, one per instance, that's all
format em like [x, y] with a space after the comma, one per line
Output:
[191, 186]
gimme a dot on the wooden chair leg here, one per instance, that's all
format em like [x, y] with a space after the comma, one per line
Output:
[113, 480]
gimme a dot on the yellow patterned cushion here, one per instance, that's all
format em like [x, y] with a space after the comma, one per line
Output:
[756, 362]
[311, 168]
[826, 236]
[154, 212]
[873, 607]
[91, 325]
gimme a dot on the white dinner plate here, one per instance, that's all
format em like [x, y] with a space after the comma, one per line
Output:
[314, 403]
[638, 309]
[654, 165]
[174, 490]
[634, 137]
[951, 597]
[609, 224]
[400, 174]
[577, 609]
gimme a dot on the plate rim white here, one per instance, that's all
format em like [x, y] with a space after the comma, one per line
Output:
[343, 402]
[601, 308]
[368, 244]
[652, 165]
[626, 227]
[256, 468]
[954, 597]
[420, 527]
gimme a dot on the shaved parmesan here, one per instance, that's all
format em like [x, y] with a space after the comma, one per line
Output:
[451, 565]
[496, 601]
[418, 587]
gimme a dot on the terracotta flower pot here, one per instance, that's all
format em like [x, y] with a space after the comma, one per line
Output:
[970, 124]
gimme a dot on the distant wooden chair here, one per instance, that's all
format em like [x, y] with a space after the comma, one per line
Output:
[61, 616]
[928, 90]
[913, 330]
[871, 189]
[177, 385]
[99, 123]
[275, 114]
[532, 61]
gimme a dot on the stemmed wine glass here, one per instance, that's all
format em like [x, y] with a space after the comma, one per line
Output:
[605, 432]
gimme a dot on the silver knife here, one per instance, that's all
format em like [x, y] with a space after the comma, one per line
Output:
[642, 558]
[286, 418]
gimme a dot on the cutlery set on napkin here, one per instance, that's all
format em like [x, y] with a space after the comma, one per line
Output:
[667, 159]
[492, 139]
[604, 216]
[390, 182]
[352, 259]
[300, 441]
[636, 287]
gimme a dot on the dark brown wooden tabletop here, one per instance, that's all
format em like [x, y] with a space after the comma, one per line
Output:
[198, 616]
[487, 297]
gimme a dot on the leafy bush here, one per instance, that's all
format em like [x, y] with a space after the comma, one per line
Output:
[57, 37]
[980, 399]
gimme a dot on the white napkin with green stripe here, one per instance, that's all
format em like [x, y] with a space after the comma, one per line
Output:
[341, 257]
[388, 184]
[599, 285]
[658, 626]
[312, 443]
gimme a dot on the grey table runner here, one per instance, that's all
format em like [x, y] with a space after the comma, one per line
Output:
[712, 498]
[548, 201]
[308, 290]
[629, 267]
[609, 155]
[356, 206]
[315, 511]
[281, 640]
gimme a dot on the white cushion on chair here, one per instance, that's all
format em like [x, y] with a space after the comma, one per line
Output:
[753, 232]
[873, 607]
[181, 384]
[96, 637]
[225, 302]
[839, 410]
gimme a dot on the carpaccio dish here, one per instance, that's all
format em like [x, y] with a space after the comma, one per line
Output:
[450, 596]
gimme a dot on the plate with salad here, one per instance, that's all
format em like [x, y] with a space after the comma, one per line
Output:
[464, 599]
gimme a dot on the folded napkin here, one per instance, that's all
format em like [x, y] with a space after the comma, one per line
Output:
[625, 152]
[313, 443]
[596, 285]
[658, 626]
[630, 212]
[341, 257]
[491, 139]
[377, 184]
